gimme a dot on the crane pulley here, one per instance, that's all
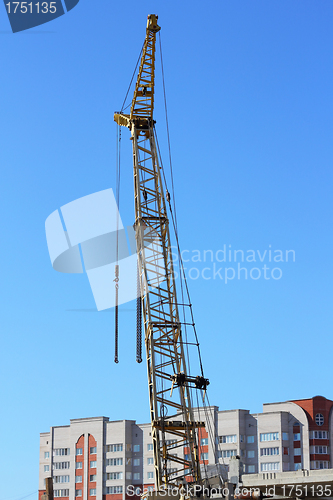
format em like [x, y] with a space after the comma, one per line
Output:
[171, 410]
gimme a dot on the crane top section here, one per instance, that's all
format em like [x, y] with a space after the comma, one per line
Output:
[152, 23]
[142, 106]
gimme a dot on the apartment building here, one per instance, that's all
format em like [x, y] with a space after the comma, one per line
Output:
[287, 436]
[98, 459]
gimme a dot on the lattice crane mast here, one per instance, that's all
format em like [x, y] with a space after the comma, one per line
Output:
[169, 383]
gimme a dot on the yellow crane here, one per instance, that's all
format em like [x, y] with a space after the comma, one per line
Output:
[169, 383]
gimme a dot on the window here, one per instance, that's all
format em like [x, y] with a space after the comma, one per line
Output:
[78, 465]
[321, 464]
[250, 454]
[92, 478]
[92, 492]
[61, 452]
[297, 466]
[321, 450]
[318, 435]
[297, 451]
[171, 442]
[231, 438]
[128, 447]
[46, 454]
[78, 493]
[93, 450]
[136, 461]
[78, 479]
[285, 436]
[61, 479]
[61, 465]
[136, 475]
[251, 469]
[150, 461]
[46, 468]
[115, 475]
[269, 451]
[242, 438]
[128, 475]
[93, 464]
[269, 466]
[286, 450]
[116, 461]
[250, 439]
[319, 419]
[297, 436]
[150, 475]
[203, 441]
[78, 451]
[61, 493]
[114, 447]
[204, 456]
[114, 490]
[269, 436]
[227, 453]
[150, 447]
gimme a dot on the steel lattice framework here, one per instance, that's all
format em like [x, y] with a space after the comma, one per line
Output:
[169, 384]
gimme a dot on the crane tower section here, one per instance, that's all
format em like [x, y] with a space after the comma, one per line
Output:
[168, 380]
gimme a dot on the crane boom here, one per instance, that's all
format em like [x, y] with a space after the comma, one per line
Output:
[169, 384]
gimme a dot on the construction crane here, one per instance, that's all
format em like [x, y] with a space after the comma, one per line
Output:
[170, 385]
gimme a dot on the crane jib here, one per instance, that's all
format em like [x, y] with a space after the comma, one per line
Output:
[172, 416]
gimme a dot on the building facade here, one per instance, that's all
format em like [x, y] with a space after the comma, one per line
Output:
[98, 459]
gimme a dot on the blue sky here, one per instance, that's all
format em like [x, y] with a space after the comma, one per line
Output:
[249, 89]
